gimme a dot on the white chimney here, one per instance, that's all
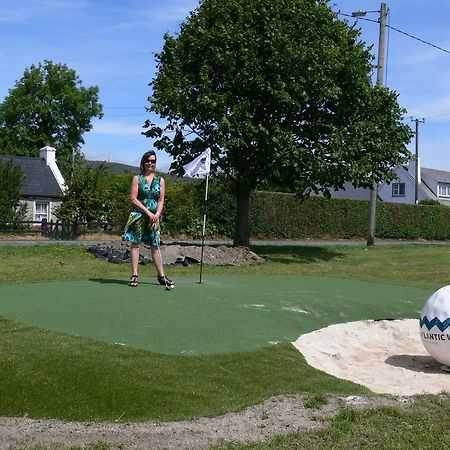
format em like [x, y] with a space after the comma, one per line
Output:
[48, 154]
[412, 169]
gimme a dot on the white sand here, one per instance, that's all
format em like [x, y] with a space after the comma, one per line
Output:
[386, 356]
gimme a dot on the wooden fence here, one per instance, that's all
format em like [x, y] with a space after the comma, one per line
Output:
[56, 229]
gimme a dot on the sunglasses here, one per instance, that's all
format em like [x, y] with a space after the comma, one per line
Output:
[150, 161]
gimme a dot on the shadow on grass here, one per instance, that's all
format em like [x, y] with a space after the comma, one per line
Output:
[116, 281]
[122, 282]
[297, 254]
[108, 281]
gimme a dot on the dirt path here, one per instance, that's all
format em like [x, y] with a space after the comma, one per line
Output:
[279, 415]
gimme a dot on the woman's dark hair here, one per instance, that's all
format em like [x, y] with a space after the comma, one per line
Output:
[144, 158]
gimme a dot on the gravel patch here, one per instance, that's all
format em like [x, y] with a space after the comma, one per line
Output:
[278, 415]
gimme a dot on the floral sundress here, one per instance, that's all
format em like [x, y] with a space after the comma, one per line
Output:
[138, 229]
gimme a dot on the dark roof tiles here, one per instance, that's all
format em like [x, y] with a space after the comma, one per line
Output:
[440, 176]
[39, 179]
[351, 192]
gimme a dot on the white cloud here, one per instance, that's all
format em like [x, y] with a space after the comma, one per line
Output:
[12, 16]
[173, 12]
[167, 13]
[17, 12]
[437, 110]
[117, 128]
[422, 55]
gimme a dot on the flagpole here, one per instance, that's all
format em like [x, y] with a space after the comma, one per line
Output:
[204, 227]
[199, 167]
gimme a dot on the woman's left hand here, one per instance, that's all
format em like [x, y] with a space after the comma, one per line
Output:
[155, 219]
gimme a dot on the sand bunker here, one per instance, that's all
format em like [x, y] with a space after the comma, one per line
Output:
[386, 356]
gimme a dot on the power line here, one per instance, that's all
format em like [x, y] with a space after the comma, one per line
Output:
[440, 113]
[123, 107]
[141, 108]
[399, 31]
[118, 149]
[127, 115]
[420, 40]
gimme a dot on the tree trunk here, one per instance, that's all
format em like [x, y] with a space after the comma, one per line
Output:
[242, 228]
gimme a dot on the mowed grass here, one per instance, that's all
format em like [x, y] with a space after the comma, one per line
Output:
[47, 374]
[413, 265]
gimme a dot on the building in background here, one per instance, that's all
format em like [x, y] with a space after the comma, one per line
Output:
[433, 185]
[43, 186]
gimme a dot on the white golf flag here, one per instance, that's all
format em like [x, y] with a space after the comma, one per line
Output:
[200, 166]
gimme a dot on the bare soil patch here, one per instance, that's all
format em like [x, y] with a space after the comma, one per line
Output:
[181, 254]
[278, 415]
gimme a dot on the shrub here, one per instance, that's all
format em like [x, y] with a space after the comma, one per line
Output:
[11, 180]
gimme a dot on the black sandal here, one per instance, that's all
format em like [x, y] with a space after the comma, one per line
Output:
[133, 281]
[164, 281]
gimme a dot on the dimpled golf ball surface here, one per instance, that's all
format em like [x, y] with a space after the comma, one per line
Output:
[435, 325]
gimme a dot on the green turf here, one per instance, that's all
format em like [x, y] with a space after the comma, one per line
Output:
[48, 374]
[229, 313]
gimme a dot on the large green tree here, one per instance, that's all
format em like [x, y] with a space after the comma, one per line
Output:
[281, 91]
[48, 105]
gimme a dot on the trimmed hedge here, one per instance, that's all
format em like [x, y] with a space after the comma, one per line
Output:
[398, 221]
[277, 215]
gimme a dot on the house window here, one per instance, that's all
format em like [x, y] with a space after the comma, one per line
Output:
[398, 189]
[41, 211]
[443, 189]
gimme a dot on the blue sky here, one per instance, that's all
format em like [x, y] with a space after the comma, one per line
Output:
[111, 44]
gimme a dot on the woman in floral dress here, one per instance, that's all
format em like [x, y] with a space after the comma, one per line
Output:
[147, 199]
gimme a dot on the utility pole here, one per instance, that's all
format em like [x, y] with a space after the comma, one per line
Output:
[380, 81]
[417, 162]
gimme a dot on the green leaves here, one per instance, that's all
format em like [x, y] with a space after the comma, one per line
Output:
[282, 81]
[48, 105]
[88, 197]
[11, 180]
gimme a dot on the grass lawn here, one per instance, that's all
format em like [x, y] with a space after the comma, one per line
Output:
[91, 380]
[412, 265]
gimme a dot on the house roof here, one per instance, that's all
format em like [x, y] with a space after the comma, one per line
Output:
[422, 186]
[351, 192]
[439, 175]
[39, 179]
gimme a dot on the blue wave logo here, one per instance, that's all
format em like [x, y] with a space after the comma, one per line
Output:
[435, 323]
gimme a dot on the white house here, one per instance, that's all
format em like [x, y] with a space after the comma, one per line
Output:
[433, 185]
[44, 185]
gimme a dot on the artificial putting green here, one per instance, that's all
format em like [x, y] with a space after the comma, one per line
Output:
[223, 314]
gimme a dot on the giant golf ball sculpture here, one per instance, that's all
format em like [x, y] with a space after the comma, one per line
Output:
[435, 325]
